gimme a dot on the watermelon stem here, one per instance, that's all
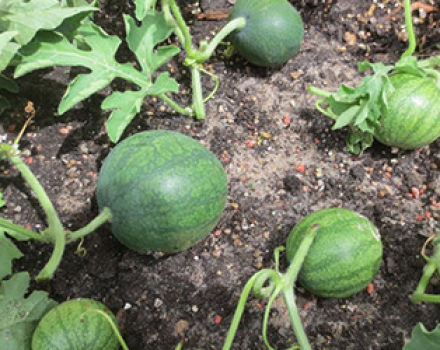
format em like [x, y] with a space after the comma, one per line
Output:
[55, 230]
[104, 216]
[12, 229]
[196, 57]
[432, 266]
[409, 29]
[278, 283]
[112, 324]
[240, 309]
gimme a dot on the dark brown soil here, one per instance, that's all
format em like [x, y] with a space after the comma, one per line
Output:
[193, 294]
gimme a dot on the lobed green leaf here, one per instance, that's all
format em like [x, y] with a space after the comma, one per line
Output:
[127, 104]
[421, 338]
[143, 7]
[20, 314]
[98, 55]
[28, 17]
[142, 41]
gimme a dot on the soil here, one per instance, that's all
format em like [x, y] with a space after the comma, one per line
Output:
[283, 162]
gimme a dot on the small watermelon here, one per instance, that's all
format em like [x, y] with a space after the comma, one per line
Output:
[73, 325]
[345, 255]
[165, 191]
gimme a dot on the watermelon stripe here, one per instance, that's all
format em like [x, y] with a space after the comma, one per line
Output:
[59, 320]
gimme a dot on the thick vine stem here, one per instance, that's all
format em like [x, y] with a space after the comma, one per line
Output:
[183, 30]
[432, 265]
[410, 30]
[206, 53]
[55, 227]
[112, 325]
[21, 231]
[198, 105]
[318, 92]
[279, 283]
[104, 216]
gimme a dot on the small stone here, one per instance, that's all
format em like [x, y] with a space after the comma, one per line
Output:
[158, 303]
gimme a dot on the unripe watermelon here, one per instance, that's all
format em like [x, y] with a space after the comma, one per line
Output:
[73, 325]
[165, 191]
[273, 32]
[345, 255]
[412, 118]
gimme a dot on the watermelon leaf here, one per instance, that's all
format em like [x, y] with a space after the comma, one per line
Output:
[28, 17]
[361, 107]
[20, 314]
[421, 338]
[54, 49]
[142, 7]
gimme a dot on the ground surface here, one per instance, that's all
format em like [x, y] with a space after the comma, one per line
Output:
[283, 162]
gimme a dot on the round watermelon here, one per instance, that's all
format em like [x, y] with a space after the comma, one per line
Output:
[165, 191]
[345, 255]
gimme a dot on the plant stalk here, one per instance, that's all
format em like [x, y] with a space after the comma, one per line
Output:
[175, 106]
[409, 29]
[318, 92]
[197, 94]
[55, 228]
[430, 268]
[235, 24]
[11, 228]
[289, 300]
[104, 216]
[183, 28]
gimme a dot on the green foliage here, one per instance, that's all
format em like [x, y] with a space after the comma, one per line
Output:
[8, 250]
[421, 338]
[45, 14]
[51, 49]
[143, 7]
[361, 107]
[2, 201]
[20, 20]
[20, 314]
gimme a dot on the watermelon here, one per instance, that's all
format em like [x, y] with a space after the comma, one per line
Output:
[345, 255]
[165, 191]
[273, 32]
[73, 326]
[412, 118]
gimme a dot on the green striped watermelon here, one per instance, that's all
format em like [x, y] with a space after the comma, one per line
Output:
[165, 191]
[73, 326]
[273, 33]
[412, 118]
[345, 255]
